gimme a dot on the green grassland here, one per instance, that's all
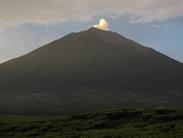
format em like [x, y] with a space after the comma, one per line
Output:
[125, 123]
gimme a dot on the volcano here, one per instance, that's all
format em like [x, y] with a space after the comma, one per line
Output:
[89, 71]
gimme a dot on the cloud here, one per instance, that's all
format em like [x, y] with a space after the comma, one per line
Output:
[19, 11]
[103, 24]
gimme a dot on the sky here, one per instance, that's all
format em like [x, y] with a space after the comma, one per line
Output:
[28, 24]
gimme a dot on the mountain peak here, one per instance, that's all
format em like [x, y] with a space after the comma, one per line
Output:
[96, 29]
[104, 35]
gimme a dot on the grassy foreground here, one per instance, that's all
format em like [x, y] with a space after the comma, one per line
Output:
[127, 123]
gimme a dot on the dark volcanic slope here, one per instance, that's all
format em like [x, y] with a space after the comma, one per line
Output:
[90, 70]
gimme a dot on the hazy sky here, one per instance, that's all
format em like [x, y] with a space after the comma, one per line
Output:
[28, 24]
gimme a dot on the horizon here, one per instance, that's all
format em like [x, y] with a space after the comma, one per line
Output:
[86, 29]
[98, 28]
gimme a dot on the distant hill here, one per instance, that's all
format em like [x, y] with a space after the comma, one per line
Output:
[88, 71]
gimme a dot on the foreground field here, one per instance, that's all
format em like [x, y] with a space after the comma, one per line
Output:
[127, 123]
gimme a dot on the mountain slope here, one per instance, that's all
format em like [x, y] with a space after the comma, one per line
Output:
[90, 70]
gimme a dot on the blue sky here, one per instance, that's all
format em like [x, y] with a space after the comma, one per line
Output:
[161, 28]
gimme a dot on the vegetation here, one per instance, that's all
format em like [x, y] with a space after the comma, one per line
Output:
[126, 123]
